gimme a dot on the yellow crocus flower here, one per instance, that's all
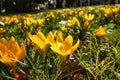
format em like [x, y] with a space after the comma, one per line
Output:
[76, 21]
[115, 10]
[33, 21]
[27, 21]
[63, 28]
[71, 12]
[51, 15]
[61, 46]
[108, 12]
[89, 17]
[2, 30]
[64, 14]
[40, 40]
[40, 22]
[11, 52]
[81, 13]
[90, 9]
[70, 23]
[86, 23]
[100, 32]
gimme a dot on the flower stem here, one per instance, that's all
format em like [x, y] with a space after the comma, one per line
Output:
[58, 72]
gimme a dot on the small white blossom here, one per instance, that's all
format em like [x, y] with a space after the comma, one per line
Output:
[62, 22]
[2, 23]
[109, 31]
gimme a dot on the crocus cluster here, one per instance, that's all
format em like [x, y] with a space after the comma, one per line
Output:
[58, 43]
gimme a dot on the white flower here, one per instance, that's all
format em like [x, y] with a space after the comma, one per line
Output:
[62, 22]
[109, 31]
[2, 23]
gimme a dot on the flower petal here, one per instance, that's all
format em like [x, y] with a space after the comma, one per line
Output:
[3, 41]
[59, 37]
[54, 45]
[55, 48]
[13, 45]
[21, 53]
[51, 37]
[36, 40]
[67, 44]
[6, 58]
[75, 46]
[41, 36]
[3, 48]
[65, 53]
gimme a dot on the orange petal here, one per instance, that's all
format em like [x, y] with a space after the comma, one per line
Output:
[13, 45]
[21, 53]
[3, 48]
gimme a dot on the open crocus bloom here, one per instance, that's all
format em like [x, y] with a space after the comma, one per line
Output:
[76, 21]
[61, 46]
[11, 52]
[40, 40]
[100, 32]
[89, 17]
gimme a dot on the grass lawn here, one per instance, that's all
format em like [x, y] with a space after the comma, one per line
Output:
[61, 44]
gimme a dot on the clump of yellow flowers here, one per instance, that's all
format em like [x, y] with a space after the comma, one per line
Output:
[58, 43]
[8, 20]
[72, 22]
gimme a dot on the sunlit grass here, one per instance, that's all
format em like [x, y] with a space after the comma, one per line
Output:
[76, 43]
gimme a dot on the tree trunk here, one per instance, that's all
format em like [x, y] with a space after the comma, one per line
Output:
[63, 3]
